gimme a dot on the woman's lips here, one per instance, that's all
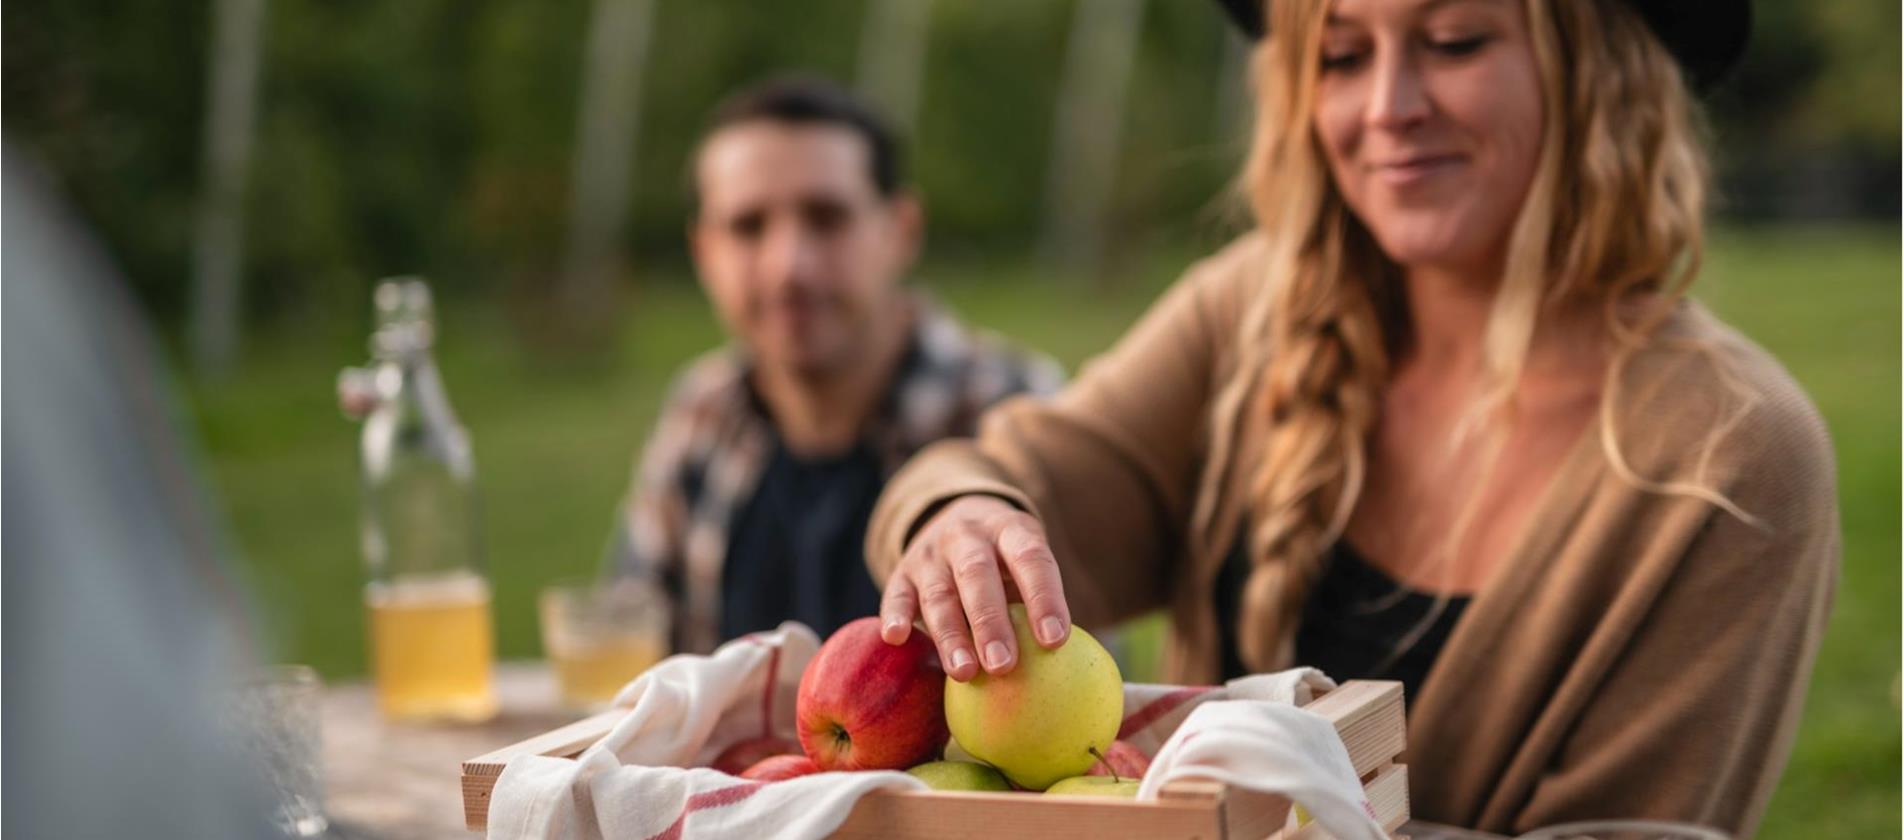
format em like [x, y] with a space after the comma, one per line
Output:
[1414, 170]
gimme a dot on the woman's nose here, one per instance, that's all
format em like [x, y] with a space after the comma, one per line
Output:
[1398, 98]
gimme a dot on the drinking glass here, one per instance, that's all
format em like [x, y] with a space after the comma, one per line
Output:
[600, 636]
[276, 711]
[1625, 830]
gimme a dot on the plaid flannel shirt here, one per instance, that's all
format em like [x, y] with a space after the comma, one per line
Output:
[711, 443]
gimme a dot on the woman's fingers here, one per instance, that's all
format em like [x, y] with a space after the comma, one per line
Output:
[945, 619]
[898, 609]
[1028, 555]
[954, 579]
[973, 558]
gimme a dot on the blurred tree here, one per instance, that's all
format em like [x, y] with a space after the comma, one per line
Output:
[1091, 101]
[1808, 125]
[232, 89]
[108, 96]
[892, 50]
[609, 116]
[439, 137]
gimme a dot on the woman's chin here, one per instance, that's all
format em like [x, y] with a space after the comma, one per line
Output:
[1441, 249]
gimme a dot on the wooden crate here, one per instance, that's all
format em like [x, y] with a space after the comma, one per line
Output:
[1368, 714]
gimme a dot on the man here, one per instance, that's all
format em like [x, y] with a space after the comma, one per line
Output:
[751, 501]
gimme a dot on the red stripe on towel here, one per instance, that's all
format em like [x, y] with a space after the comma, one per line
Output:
[711, 799]
[1159, 707]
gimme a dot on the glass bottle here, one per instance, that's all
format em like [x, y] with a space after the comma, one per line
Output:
[432, 645]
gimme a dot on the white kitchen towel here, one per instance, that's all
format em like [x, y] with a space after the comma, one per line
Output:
[643, 780]
[1272, 748]
[1152, 713]
[647, 779]
[1250, 734]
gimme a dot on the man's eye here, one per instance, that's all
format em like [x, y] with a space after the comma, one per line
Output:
[825, 217]
[747, 227]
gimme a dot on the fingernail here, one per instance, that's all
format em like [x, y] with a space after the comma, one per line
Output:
[996, 656]
[1051, 629]
[960, 658]
[891, 626]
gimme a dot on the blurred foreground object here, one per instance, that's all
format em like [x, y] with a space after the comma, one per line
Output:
[432, 644]
[120, 624]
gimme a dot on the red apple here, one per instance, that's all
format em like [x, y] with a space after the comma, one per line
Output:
[1127, 761]
[745, 753]
[775, 768]
[867, 705]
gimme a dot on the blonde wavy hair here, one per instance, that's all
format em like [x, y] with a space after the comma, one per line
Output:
[1613, 215]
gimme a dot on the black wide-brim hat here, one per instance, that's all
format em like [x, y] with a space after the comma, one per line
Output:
[1706, 36]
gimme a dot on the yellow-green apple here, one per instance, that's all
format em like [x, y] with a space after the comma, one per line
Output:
[867, 705]
[1049, 718]
[745, 753]
[960, 775]
[775, 768]
[1095, 786]
[1122, 760]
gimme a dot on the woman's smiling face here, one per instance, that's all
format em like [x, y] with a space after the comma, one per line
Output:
[1429, 113]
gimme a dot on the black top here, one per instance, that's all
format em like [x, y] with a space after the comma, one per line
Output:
[1354, 621]
[797, 550]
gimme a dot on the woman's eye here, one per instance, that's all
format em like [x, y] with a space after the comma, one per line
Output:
[1458, 47]
[1339, 61]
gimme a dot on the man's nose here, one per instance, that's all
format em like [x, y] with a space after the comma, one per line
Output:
[1398, 97]
[791, 254]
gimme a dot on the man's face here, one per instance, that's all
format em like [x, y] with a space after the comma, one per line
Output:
[799, 252]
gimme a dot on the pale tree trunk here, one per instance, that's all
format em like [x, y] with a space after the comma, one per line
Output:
[892, 58]
[1235, 105]
[1086, 141]
[605, 131]
[231, 88]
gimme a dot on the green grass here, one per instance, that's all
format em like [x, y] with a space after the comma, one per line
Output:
[555, 443]
[1826, 302]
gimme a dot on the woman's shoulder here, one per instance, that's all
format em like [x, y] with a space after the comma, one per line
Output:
[1228, 278]
[1703, 402]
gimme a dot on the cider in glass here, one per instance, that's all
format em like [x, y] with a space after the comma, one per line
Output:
[600, 636]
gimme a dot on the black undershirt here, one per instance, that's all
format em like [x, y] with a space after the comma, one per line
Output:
[797, 550]
[1352, 624]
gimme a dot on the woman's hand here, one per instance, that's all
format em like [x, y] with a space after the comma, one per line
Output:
[953, 575]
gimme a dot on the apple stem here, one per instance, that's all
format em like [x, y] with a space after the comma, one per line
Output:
[1106, 765]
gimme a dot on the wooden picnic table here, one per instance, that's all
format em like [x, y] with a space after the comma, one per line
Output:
[398, 781]
[394, 781]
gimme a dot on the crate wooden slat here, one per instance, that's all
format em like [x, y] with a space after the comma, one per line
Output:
[479, 773]
[946, 815]
[1368, 715]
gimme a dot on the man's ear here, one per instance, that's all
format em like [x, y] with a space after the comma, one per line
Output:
[695, 241]
[908, 216]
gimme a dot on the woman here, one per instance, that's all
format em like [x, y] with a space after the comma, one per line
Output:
[1445, 416]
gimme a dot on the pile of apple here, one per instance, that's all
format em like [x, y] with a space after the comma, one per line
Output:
[1049, 725]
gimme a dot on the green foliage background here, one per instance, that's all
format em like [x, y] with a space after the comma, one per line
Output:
[435, 137]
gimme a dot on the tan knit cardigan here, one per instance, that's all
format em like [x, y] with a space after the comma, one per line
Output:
[1638, 654]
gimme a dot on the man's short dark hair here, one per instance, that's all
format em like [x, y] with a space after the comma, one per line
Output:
[801, 100]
